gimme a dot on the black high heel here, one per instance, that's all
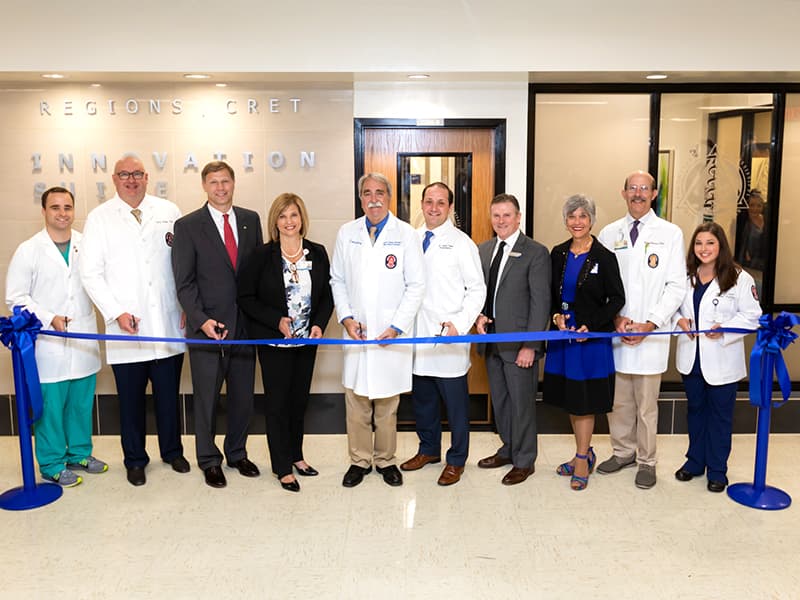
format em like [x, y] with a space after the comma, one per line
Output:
[291, 486]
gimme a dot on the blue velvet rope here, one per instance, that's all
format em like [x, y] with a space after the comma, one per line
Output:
[18, 333]
[774, 336]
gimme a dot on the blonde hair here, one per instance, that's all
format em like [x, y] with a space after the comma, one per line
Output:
[281, 203]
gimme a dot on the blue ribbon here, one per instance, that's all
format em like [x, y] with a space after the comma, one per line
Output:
[774, 335]
[18, 333]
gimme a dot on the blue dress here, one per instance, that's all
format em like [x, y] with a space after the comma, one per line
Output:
[578, 376]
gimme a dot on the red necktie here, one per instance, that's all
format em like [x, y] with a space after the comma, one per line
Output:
[230, 241]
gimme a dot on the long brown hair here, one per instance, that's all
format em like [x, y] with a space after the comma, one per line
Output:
[726, 270]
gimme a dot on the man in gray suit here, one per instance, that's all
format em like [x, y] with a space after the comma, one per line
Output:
[517, 272]
[210, 244]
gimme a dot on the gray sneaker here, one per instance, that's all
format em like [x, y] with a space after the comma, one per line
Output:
[66, 478]
[615, 463]
[645, 477]
[89, 464]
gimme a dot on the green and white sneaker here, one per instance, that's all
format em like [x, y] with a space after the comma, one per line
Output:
[66, 478]
[89, 464]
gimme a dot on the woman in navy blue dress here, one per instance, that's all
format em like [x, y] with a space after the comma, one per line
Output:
[587, 294]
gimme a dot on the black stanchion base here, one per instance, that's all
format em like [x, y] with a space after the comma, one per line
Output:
[765, 498]
[20, 498]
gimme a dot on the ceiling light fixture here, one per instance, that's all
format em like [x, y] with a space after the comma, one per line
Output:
[654, 76]
[419, 76]
[221, 84]
[196, 76]
[53, 76]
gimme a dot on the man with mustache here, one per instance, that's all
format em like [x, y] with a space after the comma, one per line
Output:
[651, 261]
[378, 282]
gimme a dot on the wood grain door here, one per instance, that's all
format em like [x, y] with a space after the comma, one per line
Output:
[381, 147]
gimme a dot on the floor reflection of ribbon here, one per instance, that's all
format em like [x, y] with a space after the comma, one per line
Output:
[774, 335]
[18, 333]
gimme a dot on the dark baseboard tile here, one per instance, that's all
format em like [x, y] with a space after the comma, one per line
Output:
[326, 415]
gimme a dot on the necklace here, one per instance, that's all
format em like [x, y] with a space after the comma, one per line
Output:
[582, 250]
[288, 256]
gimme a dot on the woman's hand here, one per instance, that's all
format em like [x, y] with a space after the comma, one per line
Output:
[581, 329]
[316, 333]
[285, 327]
[686, 325]
[715, 334]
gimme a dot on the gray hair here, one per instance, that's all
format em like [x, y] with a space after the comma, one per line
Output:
[379, 177]
[577, 201]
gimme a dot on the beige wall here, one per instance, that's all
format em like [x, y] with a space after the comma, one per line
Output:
[322, 124]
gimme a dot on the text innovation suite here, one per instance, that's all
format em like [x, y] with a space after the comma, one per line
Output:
[98, 162]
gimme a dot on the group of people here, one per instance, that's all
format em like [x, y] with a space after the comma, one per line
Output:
[209, 278]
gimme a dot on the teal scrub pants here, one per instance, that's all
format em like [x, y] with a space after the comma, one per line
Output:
[64, 431]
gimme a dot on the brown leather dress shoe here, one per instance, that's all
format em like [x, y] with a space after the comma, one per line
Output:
[450, 475]
[419, 461]
[493, 461]
[517, 475]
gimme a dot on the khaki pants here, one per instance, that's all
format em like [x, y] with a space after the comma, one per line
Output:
[361, 413]
[633, 423]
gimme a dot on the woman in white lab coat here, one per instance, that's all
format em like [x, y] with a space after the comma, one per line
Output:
[719, 294]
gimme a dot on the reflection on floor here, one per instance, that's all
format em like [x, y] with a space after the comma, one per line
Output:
[178, 538]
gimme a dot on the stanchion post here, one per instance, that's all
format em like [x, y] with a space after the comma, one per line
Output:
[31, 494]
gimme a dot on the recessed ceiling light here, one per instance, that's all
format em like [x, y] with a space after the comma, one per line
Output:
[419, 76]
[221, 84]
[53, 76]
[656, 76]
[196, 76]
[94, 85]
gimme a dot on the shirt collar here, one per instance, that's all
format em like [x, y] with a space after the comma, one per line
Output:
[511, 240]
[644, 218]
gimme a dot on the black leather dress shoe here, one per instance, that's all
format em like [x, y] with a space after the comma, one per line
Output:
[391, 475]
[716, 486]
[246, 468]
[291, 486]
[355, 475]
[136, 476]
[308, 472]
[180, 465]
[683, 475]
[215, 477]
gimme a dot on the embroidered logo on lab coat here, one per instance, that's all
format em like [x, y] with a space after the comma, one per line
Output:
[754, 291]
[391, 261]
[168, 238]
[652, 261]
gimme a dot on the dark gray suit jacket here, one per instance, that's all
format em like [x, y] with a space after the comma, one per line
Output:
[523, 292]
[204, 277]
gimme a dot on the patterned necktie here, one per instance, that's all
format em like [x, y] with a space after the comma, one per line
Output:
[427, 241]
[230, 241]
[137, 213]
[373, 231]
[494, 270]
[634, 232]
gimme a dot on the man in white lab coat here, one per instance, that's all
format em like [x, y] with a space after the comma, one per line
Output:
[378, 281]
[43, 278]
[455, 292]
[653, 268]
[126, 270]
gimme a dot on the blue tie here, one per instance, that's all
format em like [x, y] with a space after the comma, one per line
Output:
[634, 232]
[427, 241]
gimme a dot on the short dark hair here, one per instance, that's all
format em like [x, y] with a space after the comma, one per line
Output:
[500, 198]
[56, 190]
[442, 185]
[217, 165]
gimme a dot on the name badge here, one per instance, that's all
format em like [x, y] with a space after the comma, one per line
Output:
[514, 254]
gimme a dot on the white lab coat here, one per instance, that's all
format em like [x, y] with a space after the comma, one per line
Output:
[722, 360]
[40, 280]
[654, 276]
[126, 267]
[455, 291]
[378, 286]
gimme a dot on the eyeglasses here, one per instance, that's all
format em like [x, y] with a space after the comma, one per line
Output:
[125, 175]
[640, 188]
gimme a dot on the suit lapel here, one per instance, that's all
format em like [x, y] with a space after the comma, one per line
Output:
[210, 231]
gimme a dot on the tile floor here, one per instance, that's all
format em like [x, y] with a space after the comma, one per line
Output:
[178, 538]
